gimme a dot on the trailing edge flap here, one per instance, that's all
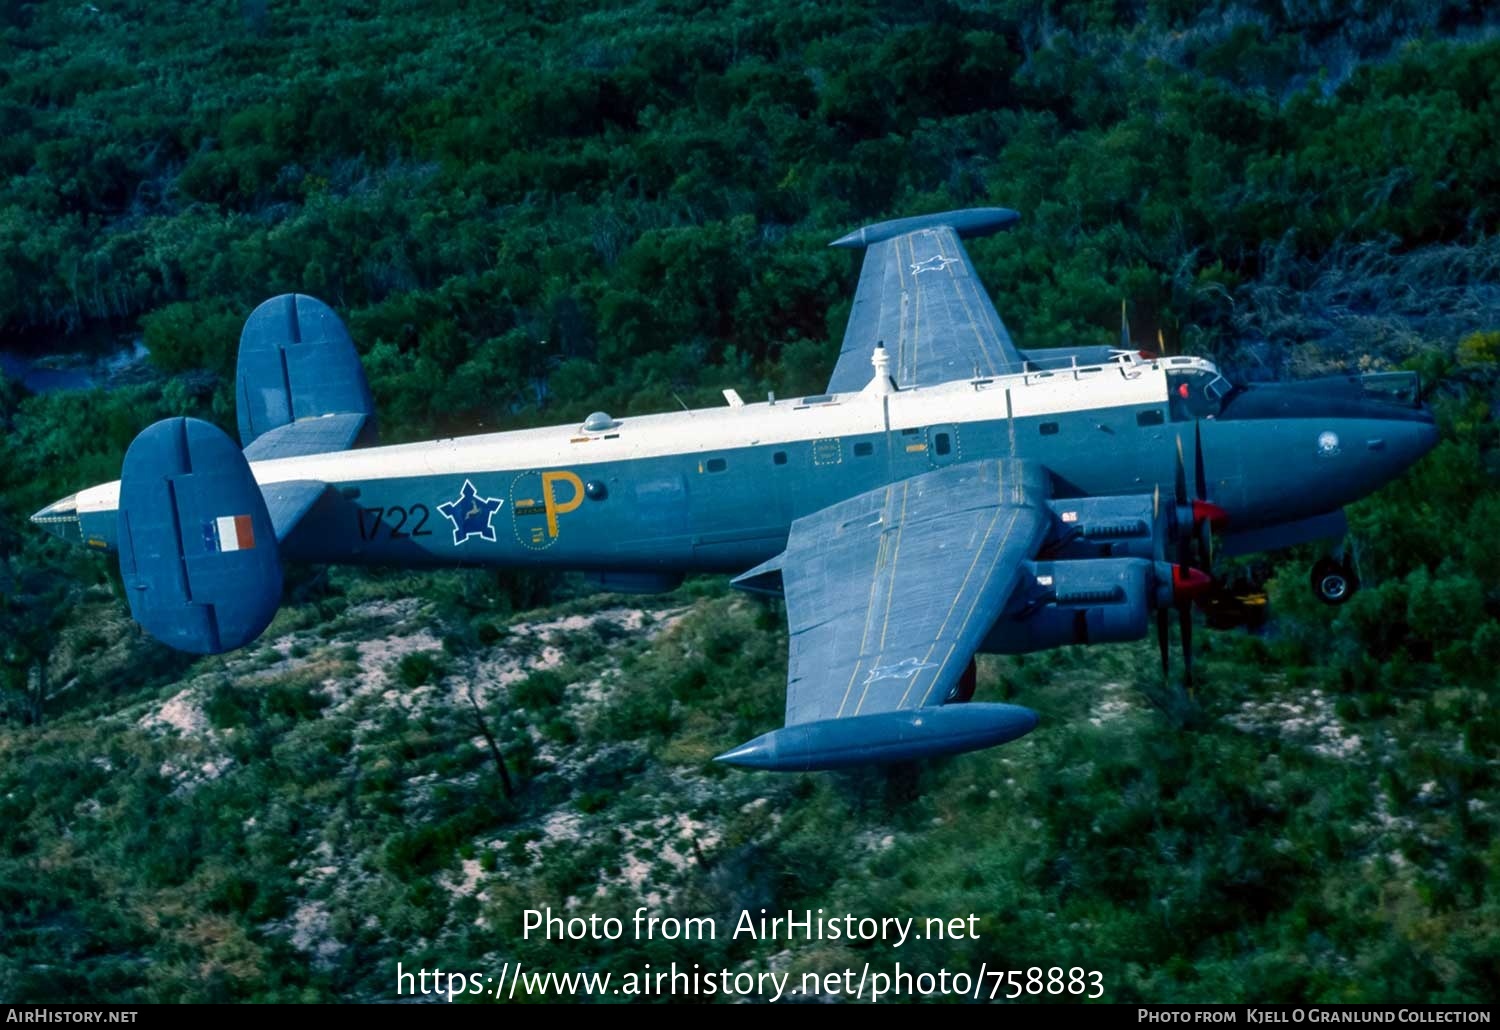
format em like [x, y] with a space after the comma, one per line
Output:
[288, 502]
[323, 434]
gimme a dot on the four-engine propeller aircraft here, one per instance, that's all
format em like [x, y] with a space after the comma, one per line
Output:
[949, 494]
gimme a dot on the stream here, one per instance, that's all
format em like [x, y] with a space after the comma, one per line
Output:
[43, 373]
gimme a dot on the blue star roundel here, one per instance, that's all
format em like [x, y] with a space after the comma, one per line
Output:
[471, 514]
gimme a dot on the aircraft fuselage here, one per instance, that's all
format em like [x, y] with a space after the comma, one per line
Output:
[716, 490]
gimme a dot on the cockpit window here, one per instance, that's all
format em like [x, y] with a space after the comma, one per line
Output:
[1196, 393]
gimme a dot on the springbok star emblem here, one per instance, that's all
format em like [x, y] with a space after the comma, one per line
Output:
[905, 669]
[936, 263]
[471, 514]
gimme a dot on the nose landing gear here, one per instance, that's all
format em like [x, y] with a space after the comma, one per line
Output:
[1334, 581]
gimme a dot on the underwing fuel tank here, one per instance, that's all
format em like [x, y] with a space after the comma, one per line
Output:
[898, 736]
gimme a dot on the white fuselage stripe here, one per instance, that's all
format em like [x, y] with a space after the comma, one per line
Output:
[718, 429]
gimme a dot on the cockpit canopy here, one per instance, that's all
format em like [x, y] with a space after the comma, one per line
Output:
[1196, 389]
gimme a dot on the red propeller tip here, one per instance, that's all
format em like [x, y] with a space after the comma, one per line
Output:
[1188, 582]
[1216, 515]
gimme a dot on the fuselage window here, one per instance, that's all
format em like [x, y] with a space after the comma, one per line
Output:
[715, 465]
[1149, 418]
[1048, 428]
[779, 458]
[864, 450]
[942, 444]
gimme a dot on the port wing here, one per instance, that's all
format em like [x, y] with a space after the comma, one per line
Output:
[888, 597]
[919, 295]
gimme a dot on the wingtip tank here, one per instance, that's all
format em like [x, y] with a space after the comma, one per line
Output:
[884, 737]
[968, 222]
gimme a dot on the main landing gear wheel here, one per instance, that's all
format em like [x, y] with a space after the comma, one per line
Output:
[1333, 582]
[963, 690]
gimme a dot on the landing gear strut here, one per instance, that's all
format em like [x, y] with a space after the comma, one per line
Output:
[963, 690]
[1334, 581]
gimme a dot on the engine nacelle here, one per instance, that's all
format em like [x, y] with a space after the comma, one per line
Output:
[1125, 526]
[1103, 600]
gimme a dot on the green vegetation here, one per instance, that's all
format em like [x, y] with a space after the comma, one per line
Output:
[528, 212]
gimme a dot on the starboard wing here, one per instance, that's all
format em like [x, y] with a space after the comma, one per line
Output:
[889, 595]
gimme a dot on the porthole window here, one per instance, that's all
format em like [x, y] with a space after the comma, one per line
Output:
[779, 458]
[715, 465]
[942, 443]
[863, 450]
[1149, 418]
[1048, 428]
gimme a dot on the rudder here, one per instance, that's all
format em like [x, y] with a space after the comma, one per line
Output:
[197, 548]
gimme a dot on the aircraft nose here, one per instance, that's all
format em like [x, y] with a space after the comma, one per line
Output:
[1412, 440]
[60, 518]
[1400, 445]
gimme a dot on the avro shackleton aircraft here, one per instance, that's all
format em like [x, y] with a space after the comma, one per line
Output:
[949, 494]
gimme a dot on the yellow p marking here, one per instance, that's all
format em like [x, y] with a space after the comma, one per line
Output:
[550, 502]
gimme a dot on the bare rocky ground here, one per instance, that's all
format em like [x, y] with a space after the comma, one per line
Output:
[648, 832]
[356, 672]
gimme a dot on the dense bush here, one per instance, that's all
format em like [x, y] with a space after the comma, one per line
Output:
[529, 212]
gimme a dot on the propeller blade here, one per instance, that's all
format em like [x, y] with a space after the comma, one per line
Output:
[1182, 497]
[1164, 641]
[1185, 624]
[1200, 477]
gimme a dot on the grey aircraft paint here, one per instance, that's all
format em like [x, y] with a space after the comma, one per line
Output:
[949, 494]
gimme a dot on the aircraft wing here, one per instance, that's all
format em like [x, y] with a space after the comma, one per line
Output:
[919, 295]
[888, 597]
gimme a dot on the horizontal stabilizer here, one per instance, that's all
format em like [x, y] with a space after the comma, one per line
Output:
[896, 736]
[969, 222]
[322, 435]
[288, 502]
[197, 546]
[297, 363]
